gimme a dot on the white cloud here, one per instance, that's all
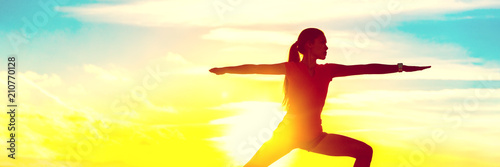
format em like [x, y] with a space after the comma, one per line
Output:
[151, 106]
[114, 74]
[69, 109]
[400, 96]
[177, 59]
[35, 85]
[77, 90]
[256, 121]
[148, 13]
[238, 13]
[43, 80]
[477, 99]
[251, 36]
[177, 64]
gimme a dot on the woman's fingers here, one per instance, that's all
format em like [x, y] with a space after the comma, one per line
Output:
[217, 71]
[424, 67]
[415, 68]
[213, 70]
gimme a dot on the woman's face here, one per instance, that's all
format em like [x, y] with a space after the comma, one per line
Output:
[318, 48]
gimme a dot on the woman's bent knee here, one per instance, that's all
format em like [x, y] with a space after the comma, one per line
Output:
[366, 151]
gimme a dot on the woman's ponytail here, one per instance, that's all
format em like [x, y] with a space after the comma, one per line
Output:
[293, 56]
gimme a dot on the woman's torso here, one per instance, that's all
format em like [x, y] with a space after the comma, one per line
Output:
[306, 97]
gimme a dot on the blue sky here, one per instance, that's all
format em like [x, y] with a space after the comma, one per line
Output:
[475, 30]
[14, 11]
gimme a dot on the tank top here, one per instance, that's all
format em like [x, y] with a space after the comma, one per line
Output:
[306, 98]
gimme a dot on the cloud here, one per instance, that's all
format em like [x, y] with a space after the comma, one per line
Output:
[251, 36]
[393, 97]
[255, 121]
[77, 90]
[44, 80]
[147, 13]
[45, 92]
[56, 101]
[113, 74]
[257, 12]
[177, 64]
[409, 107]
[156, 108]
[177, 59]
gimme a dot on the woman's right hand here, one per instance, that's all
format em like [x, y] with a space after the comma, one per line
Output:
[217, 71]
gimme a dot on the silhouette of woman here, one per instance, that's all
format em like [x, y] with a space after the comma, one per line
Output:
[305, 86]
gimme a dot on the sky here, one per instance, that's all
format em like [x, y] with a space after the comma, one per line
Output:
[126, 83]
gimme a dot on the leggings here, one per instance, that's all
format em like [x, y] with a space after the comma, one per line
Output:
[327, 144]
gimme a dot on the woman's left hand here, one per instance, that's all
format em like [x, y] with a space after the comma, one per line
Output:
[414, 68]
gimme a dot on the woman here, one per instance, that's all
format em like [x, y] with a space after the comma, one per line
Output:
[306, 86]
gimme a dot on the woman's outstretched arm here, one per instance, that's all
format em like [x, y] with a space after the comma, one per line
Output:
[348, 70]
[276, 69]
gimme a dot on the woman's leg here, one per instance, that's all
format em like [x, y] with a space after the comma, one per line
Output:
[338, 145]
[270, 152]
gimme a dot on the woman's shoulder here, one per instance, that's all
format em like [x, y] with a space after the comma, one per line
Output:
[330, 65]
[291, 64]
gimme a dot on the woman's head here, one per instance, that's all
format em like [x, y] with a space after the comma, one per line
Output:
[311, 42]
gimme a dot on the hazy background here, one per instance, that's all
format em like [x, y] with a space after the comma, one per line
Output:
[126, 83]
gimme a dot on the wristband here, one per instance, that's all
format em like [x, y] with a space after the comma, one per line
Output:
[400, 67]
